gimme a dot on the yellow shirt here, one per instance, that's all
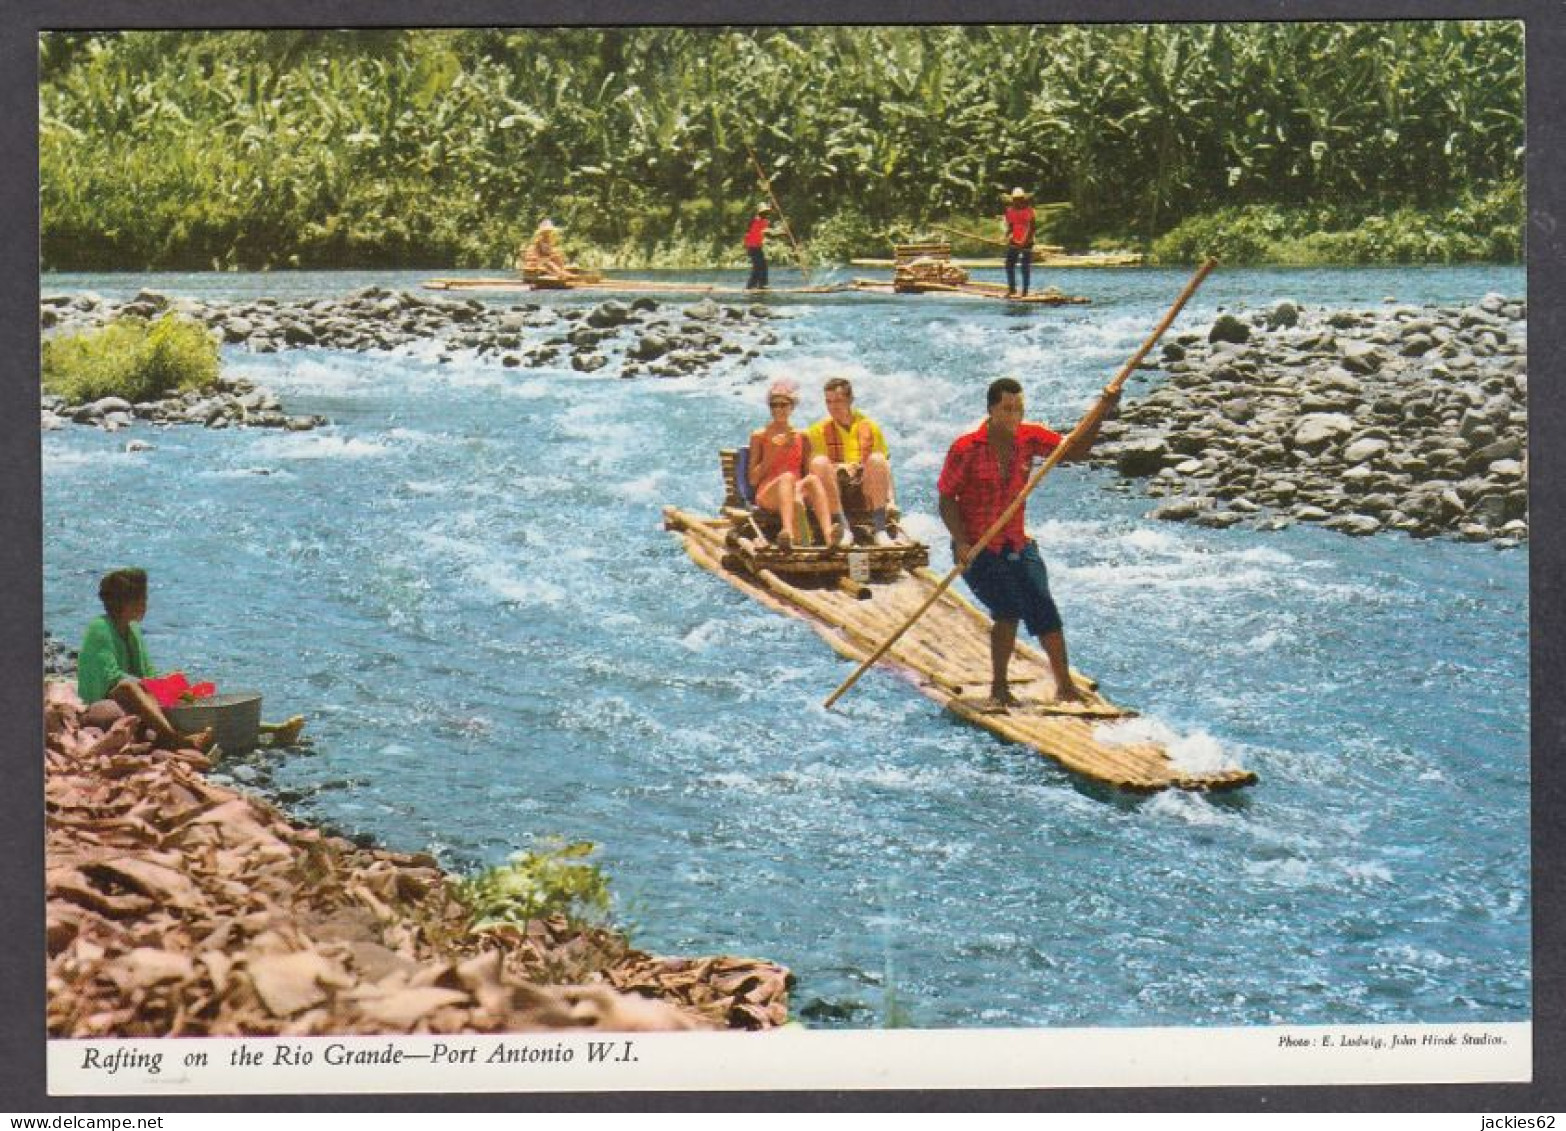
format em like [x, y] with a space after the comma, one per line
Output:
[841, 445]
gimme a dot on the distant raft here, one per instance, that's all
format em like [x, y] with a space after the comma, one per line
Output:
[945, 654]
[1041, 259]
[512, 285]
[1047, 297]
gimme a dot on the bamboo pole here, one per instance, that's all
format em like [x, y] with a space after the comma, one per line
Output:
[1089, 420]
[766, 181]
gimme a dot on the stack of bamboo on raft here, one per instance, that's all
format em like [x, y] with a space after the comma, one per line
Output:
[918, 265]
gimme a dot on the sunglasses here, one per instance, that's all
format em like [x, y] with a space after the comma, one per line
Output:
[780, 404]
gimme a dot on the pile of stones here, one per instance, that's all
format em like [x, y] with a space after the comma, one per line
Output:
[645, 336]
[1406, 418]
[231, 402]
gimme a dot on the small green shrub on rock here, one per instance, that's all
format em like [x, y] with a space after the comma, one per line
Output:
[131, 358]
[554, 879]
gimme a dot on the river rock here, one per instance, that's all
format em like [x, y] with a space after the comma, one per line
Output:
[1356, 525]
[1365, 449]
[1284, 315]
[583, 336]
[609, 313]
[1362, 357]
[298, 334]
[1138, 458]
[1182, 509]
[1316, 431]
[1228, 328]
[106, 405]
[649, 347]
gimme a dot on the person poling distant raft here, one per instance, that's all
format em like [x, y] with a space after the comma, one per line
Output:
[756, 246]
[115, 676]
[1018, 224]
[999, 480]
[755, 236]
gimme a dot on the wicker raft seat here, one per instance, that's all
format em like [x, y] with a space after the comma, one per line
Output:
[752, 536]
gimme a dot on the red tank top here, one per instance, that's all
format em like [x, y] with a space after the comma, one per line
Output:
[792, 459]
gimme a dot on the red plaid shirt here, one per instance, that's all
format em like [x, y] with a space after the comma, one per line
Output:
[982, 488]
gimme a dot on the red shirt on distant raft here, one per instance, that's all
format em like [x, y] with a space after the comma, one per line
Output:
[982, 488]
[756, 234]
[1019, 221]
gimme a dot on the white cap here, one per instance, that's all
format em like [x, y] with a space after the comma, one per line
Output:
[1016, 192]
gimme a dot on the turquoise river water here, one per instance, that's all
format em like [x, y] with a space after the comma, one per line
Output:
[465, 584]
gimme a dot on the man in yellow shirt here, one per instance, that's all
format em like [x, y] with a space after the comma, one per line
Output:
[850, 458]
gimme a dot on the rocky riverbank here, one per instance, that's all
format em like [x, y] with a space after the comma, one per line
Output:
[641, 337]
[1404, 418]
[180, 907]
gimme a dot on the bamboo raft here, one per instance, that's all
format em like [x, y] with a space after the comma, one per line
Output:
[1040, 259]
[970, 290]
[502, 285]
[945, 655]
[513, 284]
[928, 268]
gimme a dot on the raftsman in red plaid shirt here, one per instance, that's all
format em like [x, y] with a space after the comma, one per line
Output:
[982, 488]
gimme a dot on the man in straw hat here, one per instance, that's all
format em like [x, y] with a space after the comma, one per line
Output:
[1018, 224]
[755, 246]
[542, 261]
[984, 471]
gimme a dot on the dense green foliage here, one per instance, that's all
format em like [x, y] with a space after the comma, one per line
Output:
[195, 149]
[554, 879]
[132, 359]
[1486, 228]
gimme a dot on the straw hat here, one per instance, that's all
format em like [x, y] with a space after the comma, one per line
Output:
[546, 225]
[1018, 194]
[783, 390]
[763, 207]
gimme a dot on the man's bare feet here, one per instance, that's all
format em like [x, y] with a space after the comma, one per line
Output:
[199, 740]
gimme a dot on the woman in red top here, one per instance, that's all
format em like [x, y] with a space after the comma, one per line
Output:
[1019, 241]
[755, 247]
[779, 454]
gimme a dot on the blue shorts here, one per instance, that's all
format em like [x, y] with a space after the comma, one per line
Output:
[1014, 585]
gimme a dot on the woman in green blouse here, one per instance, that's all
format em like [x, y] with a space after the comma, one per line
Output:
[113, 659]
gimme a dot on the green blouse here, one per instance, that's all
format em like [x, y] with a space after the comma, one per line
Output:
[106, 657]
